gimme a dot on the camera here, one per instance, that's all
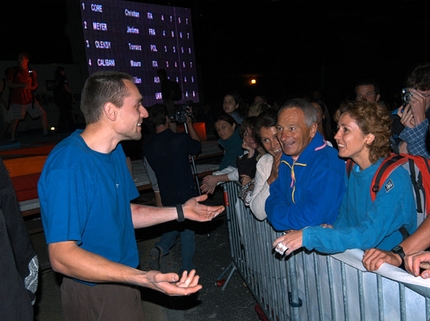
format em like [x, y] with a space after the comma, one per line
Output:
[406, 96]
[181, 114]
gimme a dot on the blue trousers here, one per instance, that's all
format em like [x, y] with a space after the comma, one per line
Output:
[188, 245]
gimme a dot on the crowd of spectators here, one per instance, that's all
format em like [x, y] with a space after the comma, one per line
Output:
[289, 188]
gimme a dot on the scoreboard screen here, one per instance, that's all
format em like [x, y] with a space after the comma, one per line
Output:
[139, 39]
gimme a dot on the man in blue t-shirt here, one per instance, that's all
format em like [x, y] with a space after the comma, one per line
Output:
[86, 192]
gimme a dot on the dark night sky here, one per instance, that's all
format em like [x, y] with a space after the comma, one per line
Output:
[293, 47]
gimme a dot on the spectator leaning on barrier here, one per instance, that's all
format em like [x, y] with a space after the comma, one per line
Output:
[85, 191]
[247, 163]
[311, 179]
[364, 130]
[409, 254]
[231, 143]
[268, 164]
[245, 168]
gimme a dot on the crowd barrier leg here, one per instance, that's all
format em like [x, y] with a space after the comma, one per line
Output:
[220, 280]
[229, 196]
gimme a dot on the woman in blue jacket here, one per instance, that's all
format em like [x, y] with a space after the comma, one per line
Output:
[364, 130]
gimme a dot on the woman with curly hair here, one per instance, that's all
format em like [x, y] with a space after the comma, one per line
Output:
[364, 130]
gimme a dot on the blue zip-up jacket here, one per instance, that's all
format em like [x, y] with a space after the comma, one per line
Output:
[364, 224]
[309, 191]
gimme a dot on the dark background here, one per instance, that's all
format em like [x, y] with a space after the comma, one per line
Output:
[291, 47]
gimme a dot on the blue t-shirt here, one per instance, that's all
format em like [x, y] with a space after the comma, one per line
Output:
[85, 197]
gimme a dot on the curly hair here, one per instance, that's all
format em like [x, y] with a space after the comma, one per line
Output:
[372, 118]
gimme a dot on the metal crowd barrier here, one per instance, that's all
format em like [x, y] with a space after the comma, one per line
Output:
[312, 286]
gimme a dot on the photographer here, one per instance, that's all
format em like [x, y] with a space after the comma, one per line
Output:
[171, 92]
[414, 114]
[168, 154]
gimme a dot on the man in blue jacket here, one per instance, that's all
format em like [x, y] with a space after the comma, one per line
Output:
[311, 181]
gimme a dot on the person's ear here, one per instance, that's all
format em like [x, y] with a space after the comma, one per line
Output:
[313, 130]
[369, 139]
[110, 111]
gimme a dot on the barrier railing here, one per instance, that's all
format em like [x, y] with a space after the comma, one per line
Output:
[312, 286]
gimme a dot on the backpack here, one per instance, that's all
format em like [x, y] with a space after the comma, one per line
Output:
[177, 91]
[418, 168]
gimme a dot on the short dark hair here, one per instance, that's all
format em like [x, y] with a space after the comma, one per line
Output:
[227, 118]
[368, 81]
[267, 119]
[248, 122]
[102, 87]
[157, 115]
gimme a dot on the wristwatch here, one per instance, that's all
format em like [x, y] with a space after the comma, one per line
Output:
[399, 251]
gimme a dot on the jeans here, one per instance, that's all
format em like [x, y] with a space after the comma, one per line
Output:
[188, 245]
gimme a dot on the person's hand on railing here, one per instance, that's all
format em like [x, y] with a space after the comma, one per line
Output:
[288, 242]
[245, 179]
[373, 259]
[209, 183]
[418, 264]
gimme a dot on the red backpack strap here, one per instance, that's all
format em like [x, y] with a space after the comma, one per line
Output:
[384, 170]
[420, 181]
[349, 164]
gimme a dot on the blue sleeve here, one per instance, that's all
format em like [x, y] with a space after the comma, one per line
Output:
[380, 225]
[64, 206]
[317, 203]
